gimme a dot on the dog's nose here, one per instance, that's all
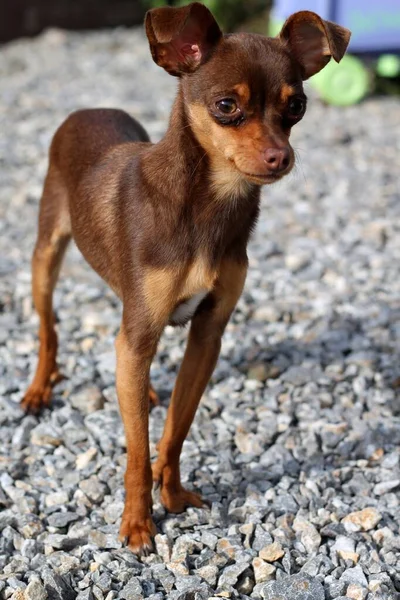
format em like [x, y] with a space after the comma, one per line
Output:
[277, 159]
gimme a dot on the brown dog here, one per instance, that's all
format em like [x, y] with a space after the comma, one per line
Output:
[167, 225]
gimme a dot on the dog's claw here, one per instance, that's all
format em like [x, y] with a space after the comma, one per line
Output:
[137, 536]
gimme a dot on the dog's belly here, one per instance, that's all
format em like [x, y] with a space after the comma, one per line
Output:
[185, 310]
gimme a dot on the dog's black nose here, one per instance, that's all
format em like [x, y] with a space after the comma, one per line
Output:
[277, 159]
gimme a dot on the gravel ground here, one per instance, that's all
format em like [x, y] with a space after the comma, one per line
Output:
[296, 442]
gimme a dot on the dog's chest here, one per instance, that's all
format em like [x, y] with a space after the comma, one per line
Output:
[198, 282]
[185, 310]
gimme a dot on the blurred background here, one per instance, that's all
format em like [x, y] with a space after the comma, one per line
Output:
[374, 63]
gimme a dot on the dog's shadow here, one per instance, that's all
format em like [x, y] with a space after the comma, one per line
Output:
[365, 353]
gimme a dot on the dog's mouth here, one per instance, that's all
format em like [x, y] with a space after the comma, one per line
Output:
[263, 178]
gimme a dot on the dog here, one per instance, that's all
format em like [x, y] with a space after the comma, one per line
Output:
[166, 225]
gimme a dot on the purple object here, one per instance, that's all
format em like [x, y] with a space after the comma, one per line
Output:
[375, 25]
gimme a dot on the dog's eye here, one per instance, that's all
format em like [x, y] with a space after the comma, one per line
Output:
[296, 107]
[227, 106]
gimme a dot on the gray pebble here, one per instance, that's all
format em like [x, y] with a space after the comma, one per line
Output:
[296, 587]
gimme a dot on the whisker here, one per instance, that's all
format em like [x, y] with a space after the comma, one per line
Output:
[198, 164]
[298, 167]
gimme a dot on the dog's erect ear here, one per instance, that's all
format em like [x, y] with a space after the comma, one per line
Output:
[313, 41]
[181, 38]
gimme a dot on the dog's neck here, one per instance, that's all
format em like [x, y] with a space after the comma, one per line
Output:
[180, 166]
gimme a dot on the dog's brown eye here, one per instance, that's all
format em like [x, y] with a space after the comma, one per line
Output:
[227, 106]
[296, 107]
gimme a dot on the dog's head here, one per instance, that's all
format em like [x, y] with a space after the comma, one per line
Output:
[243, 92]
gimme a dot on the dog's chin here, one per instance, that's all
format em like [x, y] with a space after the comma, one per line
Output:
[264, 178]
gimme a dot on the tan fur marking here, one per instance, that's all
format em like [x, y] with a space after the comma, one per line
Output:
[286, 92]
[159, 285]
[229, 287]
[198, 279]
[227, 182]
[243, 91]
[165, 288]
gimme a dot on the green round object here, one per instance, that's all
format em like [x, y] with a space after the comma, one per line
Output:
[388, 65]
[342, 84]
[274, 27]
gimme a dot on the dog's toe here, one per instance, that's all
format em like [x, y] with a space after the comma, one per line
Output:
[137, 536]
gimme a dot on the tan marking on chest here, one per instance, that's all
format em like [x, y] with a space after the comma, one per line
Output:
[228, 183]
[199, 278]
[165, 288]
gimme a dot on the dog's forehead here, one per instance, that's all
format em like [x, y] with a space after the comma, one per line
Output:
[251, 60]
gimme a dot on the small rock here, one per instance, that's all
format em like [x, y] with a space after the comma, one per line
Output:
[356, 592]
[386, 486]
[231, 574]
[30, 526]
[82, 460]
[61, 519]
[87, 400]
[22, 433]
[113, 512]
[343, 543]
[209, 573]
[297, 376]
[362, 520]
[35, 591]
[163, 547]
[209, 539]
[247, 443]
[29, 548]
[45, 435]
[226, 547]
[86, 595]
[263, 371]
[261, 538]
[296, 262]
[374, 585]
[354, 575]
[263, 571]
[56, 586]
[295, 587]
[335, 588]
[57, 499]
[344, 547]
[272, 552]
[93, 488]
[309, 536]
[353, 556]
[132, 590]
[178, 567]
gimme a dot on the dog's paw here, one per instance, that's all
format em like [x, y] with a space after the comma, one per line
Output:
[36, 398]
[175, 501]
[173, 495]
[38, 395]
[137, 536]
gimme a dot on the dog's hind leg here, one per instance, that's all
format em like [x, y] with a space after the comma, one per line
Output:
[53, 237]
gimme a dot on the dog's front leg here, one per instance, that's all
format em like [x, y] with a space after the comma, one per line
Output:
[135, 350]
[198, 364]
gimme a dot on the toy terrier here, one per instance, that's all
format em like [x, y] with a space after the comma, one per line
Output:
[166, 225]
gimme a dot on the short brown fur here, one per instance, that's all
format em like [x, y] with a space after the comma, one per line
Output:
[167, 225]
